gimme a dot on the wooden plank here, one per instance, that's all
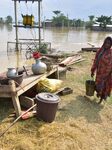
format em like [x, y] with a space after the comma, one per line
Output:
[23, 26]
[30, 39]
[16, 104]
[5, 88]
[15, 98]
[94, 49]
[12, 91]
[33, 80]
[27, 0]
[5, 95]
[23, 43]
[27, 83]
[68, 60]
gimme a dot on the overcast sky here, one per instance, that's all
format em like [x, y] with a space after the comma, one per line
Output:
[74, 8]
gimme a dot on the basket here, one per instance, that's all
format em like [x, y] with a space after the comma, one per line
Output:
[28, 20]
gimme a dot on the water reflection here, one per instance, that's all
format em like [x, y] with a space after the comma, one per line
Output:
[101, 36]
[15, 59]
[8, 27]
[1, 26]
[62, 39]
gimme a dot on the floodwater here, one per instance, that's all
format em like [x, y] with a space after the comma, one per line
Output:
[61, 39]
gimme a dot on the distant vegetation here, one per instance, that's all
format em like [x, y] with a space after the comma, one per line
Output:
[7, 20]
[103, 21]
[61, 20]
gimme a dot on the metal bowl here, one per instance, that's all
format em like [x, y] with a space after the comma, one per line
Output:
[4, 81]
[18, 79]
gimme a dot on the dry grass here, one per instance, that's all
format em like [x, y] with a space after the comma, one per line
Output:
[80, 124]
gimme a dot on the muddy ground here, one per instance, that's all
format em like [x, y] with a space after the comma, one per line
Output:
[80, 123]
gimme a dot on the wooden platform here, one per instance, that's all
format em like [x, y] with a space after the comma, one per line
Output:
[27, 26]
[27, 0]
[88, 49]
[28, 82]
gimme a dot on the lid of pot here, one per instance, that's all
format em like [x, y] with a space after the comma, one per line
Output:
[47, 98]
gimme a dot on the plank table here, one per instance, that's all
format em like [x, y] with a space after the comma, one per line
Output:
[13, 92]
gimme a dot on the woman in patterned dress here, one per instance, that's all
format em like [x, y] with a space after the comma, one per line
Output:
[102, 66]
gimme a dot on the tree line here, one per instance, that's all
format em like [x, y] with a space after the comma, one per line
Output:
[60, 20]
[7, 20]
[102, 21]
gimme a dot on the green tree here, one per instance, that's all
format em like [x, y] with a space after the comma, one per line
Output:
[91, 18]
[1, 20]
[91, 21]
[57, 12]
[8, 19]
[104, 21]
[78, 23]
[60, 19]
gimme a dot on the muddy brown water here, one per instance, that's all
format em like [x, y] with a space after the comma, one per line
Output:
[61, 39]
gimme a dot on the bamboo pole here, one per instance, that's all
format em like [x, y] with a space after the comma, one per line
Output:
[16, 120]
[39, 23]
[16, 23]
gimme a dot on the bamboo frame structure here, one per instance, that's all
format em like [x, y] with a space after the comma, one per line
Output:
[16, 21]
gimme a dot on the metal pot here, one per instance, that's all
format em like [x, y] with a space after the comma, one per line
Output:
[39, 67]
[18, 79]
[12, 72]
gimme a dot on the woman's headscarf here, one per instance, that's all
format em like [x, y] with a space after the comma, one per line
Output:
[107, 39]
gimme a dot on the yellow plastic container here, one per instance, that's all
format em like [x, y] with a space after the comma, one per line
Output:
[28, 20]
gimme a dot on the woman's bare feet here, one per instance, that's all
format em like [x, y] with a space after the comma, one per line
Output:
[100, 101]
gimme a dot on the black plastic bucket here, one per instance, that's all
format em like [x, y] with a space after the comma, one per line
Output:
[47, 104]
[90, 87]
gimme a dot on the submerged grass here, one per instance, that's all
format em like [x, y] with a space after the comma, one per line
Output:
[80, 123]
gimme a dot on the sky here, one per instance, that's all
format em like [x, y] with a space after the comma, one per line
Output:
[75, 9]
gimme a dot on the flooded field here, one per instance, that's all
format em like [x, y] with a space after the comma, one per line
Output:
[61, 39]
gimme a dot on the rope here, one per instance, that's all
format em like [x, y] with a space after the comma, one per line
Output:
[26, 7]
[20, 8]
[34, 39]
